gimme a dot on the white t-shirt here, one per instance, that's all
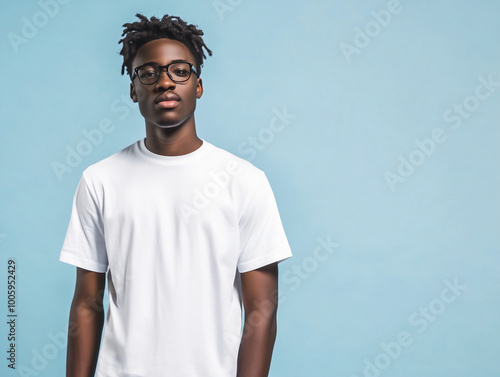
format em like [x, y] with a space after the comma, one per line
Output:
[174, 233]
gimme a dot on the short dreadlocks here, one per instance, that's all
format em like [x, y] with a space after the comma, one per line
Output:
[141, 32]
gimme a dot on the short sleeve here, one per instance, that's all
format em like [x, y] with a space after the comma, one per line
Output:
[84, 245]
[262, 237]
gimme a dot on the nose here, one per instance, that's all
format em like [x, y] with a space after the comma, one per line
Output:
[165, 82]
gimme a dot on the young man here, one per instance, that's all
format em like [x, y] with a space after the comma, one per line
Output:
[186, 232]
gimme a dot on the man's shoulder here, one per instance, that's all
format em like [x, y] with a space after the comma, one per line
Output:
[117, 160]
[234, 164]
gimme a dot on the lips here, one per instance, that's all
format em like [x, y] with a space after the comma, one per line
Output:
[167, 97]
[167, 100]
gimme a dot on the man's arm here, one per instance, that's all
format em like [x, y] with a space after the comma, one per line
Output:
[86, 320]
[260, 300]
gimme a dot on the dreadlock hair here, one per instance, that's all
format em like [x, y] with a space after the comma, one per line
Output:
[139, 33]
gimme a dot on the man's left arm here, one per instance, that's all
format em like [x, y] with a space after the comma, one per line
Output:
[260, 300]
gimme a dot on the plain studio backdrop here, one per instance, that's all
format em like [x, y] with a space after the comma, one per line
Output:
[377, 123]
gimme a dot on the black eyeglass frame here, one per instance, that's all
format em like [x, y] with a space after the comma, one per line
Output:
[166, 67]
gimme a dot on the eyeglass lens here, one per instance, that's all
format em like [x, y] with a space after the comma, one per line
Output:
[179, 72]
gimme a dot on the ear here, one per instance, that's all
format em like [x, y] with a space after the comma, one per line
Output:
[133, 94]
[199, 88]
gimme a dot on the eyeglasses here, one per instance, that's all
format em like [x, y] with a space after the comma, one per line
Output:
[149, 73]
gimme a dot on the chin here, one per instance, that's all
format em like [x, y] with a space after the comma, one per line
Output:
[170, 122]
[167, 125]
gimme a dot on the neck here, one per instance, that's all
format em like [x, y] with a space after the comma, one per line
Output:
[175, 141]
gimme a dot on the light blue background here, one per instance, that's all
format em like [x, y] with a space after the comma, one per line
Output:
[327, 167]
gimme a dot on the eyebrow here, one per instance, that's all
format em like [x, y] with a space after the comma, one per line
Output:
[173, 61]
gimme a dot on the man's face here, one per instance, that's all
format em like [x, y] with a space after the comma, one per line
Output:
[180, 103]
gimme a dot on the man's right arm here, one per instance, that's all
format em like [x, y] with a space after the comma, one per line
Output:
[85, 324]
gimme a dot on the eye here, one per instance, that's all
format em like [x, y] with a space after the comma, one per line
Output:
[146, 74]
[181, 72]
